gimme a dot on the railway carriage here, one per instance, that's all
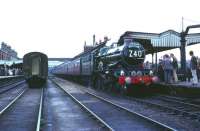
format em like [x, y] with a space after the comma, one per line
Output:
[35, 68]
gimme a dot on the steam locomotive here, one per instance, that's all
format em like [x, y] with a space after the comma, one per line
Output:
[116, 66]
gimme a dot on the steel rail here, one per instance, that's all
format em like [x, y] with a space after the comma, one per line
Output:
[14, 85]
[172, 97]
[132, 112]
[11, 83]
[128, 110]
[40, 111]
[85, 108]
[12, 102]
[177, 101]
[164, 107]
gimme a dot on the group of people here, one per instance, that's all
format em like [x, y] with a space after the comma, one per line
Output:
[167, 69]
[6, 71]
[168, 66]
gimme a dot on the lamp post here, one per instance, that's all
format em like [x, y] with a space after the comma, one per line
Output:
[183, 34]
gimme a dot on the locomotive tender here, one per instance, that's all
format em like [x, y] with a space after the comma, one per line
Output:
[118, 66]
[35, 68]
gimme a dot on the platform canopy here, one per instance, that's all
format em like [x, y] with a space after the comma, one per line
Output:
[157, 42]
[52, 63]
[10, 62]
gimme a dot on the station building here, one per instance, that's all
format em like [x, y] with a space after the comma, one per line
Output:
[7, 53]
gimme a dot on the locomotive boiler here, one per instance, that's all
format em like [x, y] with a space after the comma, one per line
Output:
[130, 54]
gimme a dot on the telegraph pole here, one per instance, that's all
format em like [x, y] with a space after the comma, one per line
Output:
[94, 40]
[182, 24]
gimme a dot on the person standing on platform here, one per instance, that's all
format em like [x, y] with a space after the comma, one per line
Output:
[193, 67]
[160, 70]
[188, 72]
[147, 65]
[175, 67]
[167, 65]
[198, 69]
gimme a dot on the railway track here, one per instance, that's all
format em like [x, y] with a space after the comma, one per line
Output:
[23, 113]
[4, 82]
[112, 115]
[11, 86]
[154, 110]
[195, 100]
[10, 95]
[62, 113]
[167, 104]
[178, 106]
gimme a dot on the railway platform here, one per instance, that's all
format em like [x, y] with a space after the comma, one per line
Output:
[8, 77]
[183, 84]
[179, 88]
[6, 80]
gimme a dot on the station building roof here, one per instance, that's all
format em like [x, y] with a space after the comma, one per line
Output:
[156, 42]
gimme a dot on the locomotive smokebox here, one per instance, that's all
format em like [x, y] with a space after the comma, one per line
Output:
[129, 54]
[133, 53]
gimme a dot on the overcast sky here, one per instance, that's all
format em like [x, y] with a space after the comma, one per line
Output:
[60, 27]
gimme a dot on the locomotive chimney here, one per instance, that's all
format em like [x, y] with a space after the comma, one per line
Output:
[94, 40]
[84, 43]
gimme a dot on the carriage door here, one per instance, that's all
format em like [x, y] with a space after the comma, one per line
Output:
[36, 66]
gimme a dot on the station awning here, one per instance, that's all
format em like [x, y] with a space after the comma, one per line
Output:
[10, 62]
[157, 42]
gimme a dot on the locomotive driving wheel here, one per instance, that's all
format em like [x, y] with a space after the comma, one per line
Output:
[98, 81]
[123, 90]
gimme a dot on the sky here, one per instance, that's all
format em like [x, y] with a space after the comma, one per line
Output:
[60, 27]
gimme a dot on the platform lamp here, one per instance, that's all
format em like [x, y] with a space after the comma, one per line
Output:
[183, 34]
